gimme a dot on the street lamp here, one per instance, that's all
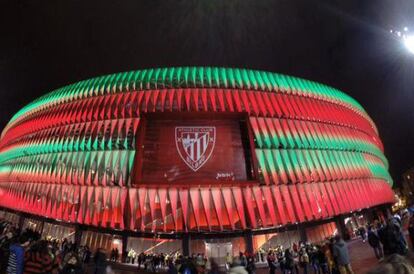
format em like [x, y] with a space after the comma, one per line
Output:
[406, 37]
[409, 43]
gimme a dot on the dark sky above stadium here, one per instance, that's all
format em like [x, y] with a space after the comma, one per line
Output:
[346, 44]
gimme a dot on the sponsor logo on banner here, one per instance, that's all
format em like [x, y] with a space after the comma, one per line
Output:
[195, 145]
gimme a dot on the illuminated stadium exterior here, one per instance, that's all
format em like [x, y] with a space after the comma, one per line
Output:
[192, 152]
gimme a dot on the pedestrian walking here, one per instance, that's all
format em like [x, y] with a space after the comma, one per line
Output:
[361, 232]
[341, 254]
[391, 238]
[374, 242]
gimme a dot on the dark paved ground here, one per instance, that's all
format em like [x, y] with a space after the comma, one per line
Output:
[362, 258]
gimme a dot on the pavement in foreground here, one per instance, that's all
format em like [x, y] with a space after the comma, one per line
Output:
[362, 256]
[362, 260]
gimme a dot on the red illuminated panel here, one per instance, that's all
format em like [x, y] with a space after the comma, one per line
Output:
[187, 150]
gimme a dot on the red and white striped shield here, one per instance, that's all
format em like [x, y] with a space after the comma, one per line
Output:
[195, 145]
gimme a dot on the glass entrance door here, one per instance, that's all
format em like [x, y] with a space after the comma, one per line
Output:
[218, 251]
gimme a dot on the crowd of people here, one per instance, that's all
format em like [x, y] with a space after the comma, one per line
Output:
[331, 256]
[298, 258]
[328, 257]
[152, 261]
[25, 252]
[387, 238]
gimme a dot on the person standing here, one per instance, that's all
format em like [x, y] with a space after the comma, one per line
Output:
[113, 254]
[188, 267]
[391, 238]
[326, 248]
[251, 266]
[88, 254]
[374, 242]
[323, 261]
[411, 231]
[271, 261]
[314, 259]
[116, 254]
[229, 261]
[71, 263]
[38, 259]
[100, 261]
[340, 252]
[243, 259]
[289, 262]
[214, 267]
[141, 259]
[393, 264]
[303, 259]
[361, 232]
[171, 267]
[16, 257]
[237, 267]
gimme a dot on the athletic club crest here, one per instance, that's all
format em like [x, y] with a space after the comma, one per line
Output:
[195, 144]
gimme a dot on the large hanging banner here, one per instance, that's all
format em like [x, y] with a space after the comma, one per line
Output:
[196, 151]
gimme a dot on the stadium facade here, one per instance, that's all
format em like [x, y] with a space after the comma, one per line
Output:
[178, 158]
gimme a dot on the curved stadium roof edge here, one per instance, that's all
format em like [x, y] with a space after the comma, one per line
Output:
[185, 77]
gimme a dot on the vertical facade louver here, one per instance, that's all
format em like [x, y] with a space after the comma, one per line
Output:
[70, 154]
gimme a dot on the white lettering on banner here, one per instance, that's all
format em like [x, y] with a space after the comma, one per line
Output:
[228, 176]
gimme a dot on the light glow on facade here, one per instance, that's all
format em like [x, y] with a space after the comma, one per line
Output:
[76, 154]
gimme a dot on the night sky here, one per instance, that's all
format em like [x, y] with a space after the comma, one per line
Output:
[346, 44]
